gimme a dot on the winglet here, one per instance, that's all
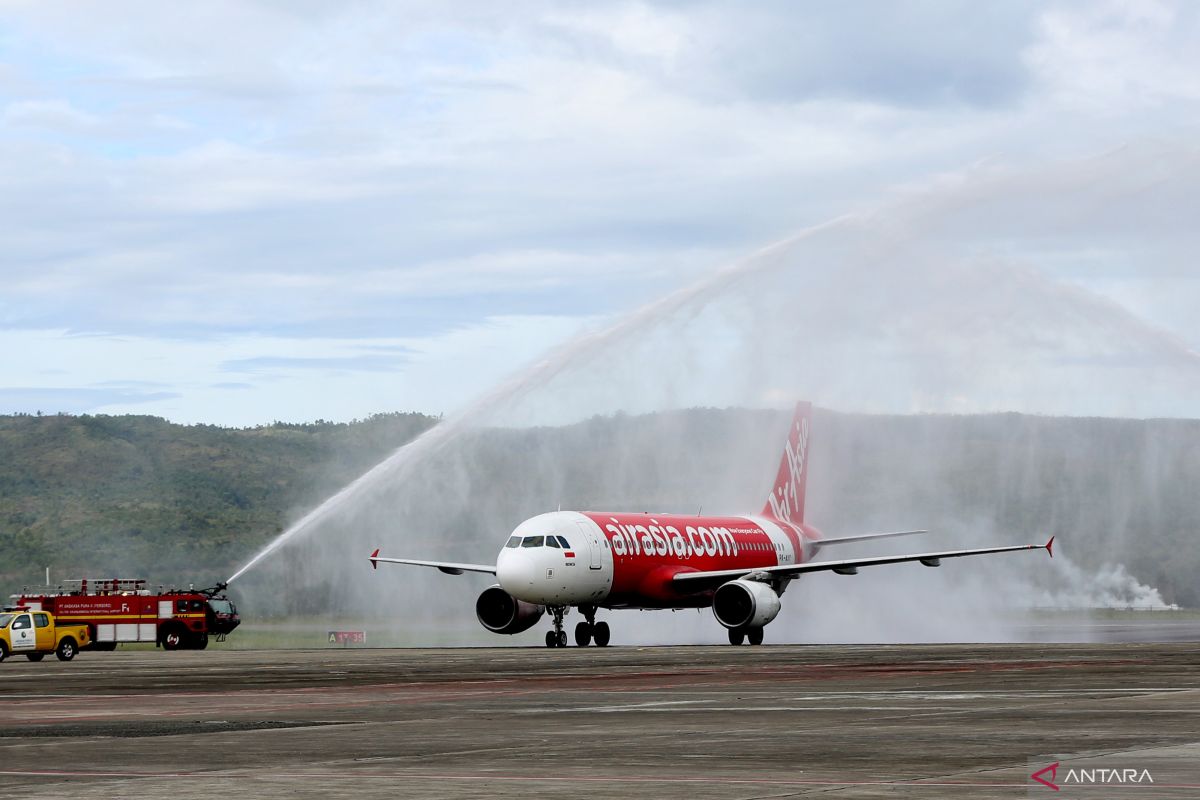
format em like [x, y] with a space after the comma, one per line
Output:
[1049, 547]
[374, 563]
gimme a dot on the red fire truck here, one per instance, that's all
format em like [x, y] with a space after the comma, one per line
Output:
[123, 610]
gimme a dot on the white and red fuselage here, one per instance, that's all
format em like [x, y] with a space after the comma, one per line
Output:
[622, 560]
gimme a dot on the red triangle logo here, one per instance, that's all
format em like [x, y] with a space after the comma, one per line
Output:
[1053, 770]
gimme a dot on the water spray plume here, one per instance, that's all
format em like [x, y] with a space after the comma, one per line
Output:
[395, 466]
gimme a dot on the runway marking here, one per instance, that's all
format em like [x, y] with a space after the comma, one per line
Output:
[46, 709]
[735, 709]
[242, 775]
[35, 712]
[651, 706]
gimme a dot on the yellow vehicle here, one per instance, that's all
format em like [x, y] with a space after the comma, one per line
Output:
[33, 634]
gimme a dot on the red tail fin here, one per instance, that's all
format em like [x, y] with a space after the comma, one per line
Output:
[786, 501]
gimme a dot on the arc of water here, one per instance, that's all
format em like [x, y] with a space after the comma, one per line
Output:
[565, 356]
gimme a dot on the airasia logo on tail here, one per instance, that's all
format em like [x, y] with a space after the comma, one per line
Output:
[787, 501]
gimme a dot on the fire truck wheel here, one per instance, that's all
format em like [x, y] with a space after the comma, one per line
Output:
[66, 649]
[200, 642]
[172, 639]
[35, 656]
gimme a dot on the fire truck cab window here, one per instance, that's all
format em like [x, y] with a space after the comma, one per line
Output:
[533, 541]
[180, 606]
[221, 606]
[513, 541]
[551, 541]
[41, 620]
[195, 605]
[21, 623]
[563, 541]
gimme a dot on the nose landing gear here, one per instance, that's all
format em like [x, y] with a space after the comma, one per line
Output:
[557, 637]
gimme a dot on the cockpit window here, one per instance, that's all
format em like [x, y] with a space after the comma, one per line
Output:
[533, 541]
[563, 541]
[551, 541]
[513, 541]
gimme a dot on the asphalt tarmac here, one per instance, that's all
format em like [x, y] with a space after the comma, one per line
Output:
[696, 722]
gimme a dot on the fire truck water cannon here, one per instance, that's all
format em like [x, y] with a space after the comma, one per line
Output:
[120, 610]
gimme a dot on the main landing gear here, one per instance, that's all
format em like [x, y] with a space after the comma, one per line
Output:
[586, 632]
[738, 635]
[590, 630]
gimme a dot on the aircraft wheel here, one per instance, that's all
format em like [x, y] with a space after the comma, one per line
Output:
[35, 656]
[562, 638]
[583, 634]
[736, 636]
[601, 633]
[551, 639]
[755, 635]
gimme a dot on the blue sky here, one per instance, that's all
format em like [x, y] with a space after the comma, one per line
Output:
[239, 212]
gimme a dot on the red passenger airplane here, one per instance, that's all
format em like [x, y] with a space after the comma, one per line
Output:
[738, 565]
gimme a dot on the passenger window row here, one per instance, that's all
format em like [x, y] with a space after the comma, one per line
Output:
[561, 542]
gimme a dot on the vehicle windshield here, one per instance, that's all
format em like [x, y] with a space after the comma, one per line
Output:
[5, 619]
[222, 606]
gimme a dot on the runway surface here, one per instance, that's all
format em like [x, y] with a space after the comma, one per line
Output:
[697, 722]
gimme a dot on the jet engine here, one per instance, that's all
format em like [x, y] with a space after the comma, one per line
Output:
[500, 612]
[745, 604]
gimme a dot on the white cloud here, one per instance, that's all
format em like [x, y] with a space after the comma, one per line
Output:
[378, 171]
[55, 115]
[1118, 57]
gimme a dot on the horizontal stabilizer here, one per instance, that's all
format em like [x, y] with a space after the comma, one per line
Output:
[862, 537]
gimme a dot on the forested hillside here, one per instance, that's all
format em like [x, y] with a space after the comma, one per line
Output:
[90, 495]
[139, 495]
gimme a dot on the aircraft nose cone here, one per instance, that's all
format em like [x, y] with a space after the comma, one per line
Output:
[515, 571]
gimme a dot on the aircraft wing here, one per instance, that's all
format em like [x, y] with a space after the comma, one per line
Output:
[698, 581]
[448, 567]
